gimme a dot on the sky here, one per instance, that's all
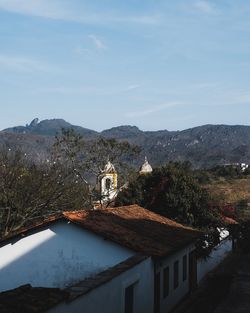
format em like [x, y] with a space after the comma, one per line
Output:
[156, 64]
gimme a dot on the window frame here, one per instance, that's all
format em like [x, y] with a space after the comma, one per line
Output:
[166, 282]
[176, 274]
[134, 280]
[129, 307]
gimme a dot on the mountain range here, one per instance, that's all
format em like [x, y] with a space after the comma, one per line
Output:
[204, 146]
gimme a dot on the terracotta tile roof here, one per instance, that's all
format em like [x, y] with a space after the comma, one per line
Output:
[131, 226]
[27, 299]
[136, 228]
[229, 220]
[32, 226]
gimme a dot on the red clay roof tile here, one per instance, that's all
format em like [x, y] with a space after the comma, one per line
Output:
[136, 228]
[131, 226]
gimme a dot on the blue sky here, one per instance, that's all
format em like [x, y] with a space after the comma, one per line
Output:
[156, 64]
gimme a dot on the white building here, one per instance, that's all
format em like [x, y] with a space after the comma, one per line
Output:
[121, 260]
[244, 166]
[240, 166]
[107, 182]
[217, 255]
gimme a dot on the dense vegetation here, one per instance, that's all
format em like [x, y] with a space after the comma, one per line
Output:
[205, 146]
[172, 191]
[29, 190]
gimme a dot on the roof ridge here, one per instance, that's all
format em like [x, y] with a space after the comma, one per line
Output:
[132, 226]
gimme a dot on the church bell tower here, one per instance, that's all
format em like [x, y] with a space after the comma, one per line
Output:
[108, 182]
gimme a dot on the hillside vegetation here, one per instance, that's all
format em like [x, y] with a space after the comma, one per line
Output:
[204, 146]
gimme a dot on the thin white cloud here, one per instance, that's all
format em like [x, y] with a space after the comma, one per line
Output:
[62, 10]
[140, 19]
[182, 118]
[201, 86]
[204, 6]
[153, 109]
[226, 96]
[98, 43]
[114, 90]
[81, 51]
[41, 8]
[65, 90]
[133, 87]
[23, 64]
[236, 97]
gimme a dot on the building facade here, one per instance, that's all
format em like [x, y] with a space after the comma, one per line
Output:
[121, 260]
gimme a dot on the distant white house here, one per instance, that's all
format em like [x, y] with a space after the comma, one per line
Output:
[218, 253]
[244, 166]
[121, 260]
[241, 166]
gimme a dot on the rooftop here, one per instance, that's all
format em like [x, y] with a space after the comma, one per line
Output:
[146, 167]
[130, 226]
[27, 299]
[109, 168]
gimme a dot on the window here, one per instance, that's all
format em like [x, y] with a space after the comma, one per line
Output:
[176, 274]
[108, 183]
[165, 282]
[184, 268]
[129, 299]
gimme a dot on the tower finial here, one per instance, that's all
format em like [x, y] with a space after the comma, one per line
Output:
[146, 167]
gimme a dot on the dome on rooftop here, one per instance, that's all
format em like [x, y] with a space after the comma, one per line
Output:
[146, 167]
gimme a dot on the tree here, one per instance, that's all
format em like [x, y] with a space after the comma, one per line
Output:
[242, 234]
[173, 192]
[29, 190]
[87, 157]
[228, 171]
[241, 206]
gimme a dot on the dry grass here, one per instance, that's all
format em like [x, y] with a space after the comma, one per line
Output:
[232, 190]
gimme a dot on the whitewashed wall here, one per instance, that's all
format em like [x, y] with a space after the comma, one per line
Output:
[218, 254]
[56, 257]
[109, 298]
[175, 295]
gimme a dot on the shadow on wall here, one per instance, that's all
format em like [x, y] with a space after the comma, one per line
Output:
[55, 257]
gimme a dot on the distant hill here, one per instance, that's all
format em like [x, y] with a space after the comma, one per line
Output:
[49, 128]
[203, 146]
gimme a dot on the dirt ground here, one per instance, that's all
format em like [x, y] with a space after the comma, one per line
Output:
[227, 289]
